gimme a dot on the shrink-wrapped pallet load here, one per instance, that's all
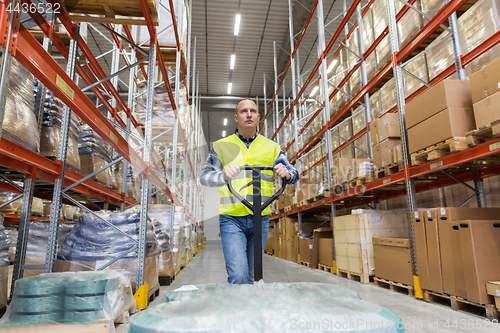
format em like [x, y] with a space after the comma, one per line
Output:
[94, 155]
[166, 265]
[4, 266]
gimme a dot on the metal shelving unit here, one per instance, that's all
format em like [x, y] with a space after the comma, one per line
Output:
[138, 151]
[456, 168]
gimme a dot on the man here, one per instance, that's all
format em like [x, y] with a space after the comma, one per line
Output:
[244, 147]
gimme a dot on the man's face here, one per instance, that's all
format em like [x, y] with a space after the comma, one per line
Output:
[247, 115]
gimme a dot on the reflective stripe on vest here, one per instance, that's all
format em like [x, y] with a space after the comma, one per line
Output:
[262, 151]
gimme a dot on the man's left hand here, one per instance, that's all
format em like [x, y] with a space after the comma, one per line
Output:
[281, 170]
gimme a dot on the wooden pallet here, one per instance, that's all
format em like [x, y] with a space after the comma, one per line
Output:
[394, 286]
[483, 134]
[304, 263]
[361, 181]
[459, 304]
[105, 11]
[354, 276]
[389, 170]
[326, 268]
[288, 208]
[439, 150]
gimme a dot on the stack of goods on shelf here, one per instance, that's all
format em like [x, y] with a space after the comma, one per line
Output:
[95, 153]
[486, 95]
[19, 123]
[417, 67]
[179, 240]
[385, 136]
[345, 132]
[393, 257]
[441, 116]
[269, 247]
[93, 243]
[12, 231]
[375, 105]
[134, 178]
[340, 98]
[51, 131]
[354, 239]
[166, 265]
[72, 213]
[410, 23]
[37, 245]
[81, 297]
[346, 170]
[4, 267]
[358, 124]
[16, 206]
[457, 251]
[388, 99]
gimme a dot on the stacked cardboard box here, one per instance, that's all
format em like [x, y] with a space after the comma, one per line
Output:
[485, 89]
[347, 169]
[442, 112]
[393, 259]
[385, 136]
[456, 248]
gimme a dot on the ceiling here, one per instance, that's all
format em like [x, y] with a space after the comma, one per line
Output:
[262, 23]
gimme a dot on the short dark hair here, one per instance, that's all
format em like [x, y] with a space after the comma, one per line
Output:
[245, 99]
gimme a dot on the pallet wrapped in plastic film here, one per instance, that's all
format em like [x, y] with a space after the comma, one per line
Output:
[417, 67]
[93, 243]
[95, 153]
[4, 265]
[179, 241]
[133, 179]
[272, 307]
[16, 206]
[11, 231]
[51, 131]
[166, 265]
[19, 123]
[37, 245]
[67, 301]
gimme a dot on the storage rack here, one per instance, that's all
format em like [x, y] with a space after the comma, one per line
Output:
[458, 168]
[158, 167]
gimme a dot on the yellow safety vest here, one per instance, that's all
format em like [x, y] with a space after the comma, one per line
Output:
[262, 152]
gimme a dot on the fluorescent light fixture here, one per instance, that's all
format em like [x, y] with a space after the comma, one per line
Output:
[225, 121]
[229, 87]
[223, 133]
[332, 65]
[314, 90]
[231, 65]
[237, 25]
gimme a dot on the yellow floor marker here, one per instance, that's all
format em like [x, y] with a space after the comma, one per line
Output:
[418, 290]
[334, 267]
[141, 297]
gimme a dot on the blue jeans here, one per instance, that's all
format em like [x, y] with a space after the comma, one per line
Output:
[237, 244]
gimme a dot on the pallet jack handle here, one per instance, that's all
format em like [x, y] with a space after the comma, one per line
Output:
[257, 208]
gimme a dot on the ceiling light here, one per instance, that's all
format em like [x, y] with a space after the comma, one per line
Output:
[237, 25]
[229, 87]
[223, 133]
[314, 90]
[225, 121]
[231, 65]
[332, 65]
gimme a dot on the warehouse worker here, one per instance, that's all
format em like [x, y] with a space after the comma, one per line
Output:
[244, 147]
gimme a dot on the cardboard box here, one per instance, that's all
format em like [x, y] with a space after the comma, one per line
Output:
[326, 251]
[374, 132]
[458, 268]
[480, 244]
[324, 232]
[444, 95]
[393, 259]
[377, 157]
[487, 110]
[397, 154]
[355, 165]
[451, 122]
[446, 252]
[493, 289]
[433, 250]
[342, 170]
[388, 126]
[486, 81]
[386, 148]
[421, 244]
[457, 214]
[305, 249]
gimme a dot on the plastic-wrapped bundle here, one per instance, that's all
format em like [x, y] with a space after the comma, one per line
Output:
[417, 67]
[410, 23]
[340, 99]
[355, 82]
[380, 22]
[375, 107]
[4, 265]
[51, 131]
[361, 143]
[94, 154]
[19, 122]
[431, 7]
[16, 206]
[383, 52]
[133, 178]
[388, 95]
[37, 244]
[12, 232]
[368, 32]
[81, 297]
[274, 307]
[440, 57]
[358, 120]
[165, 262]
[92, 243]
[180, 241]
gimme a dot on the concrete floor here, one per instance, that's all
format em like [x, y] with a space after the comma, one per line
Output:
[418, 316]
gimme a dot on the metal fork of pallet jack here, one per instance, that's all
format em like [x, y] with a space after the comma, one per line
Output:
[257, 209]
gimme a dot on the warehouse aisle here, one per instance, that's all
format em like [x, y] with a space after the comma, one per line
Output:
[418, 316]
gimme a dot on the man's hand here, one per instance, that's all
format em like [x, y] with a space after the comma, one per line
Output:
[232, 171]
[281, 170]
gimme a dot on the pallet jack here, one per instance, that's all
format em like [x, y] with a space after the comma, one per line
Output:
[257, 209]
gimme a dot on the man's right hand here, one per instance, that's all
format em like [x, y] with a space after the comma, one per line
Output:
[232, 171]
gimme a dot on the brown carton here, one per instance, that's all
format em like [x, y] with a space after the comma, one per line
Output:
[421, 244]
[480, 244]
[458, 268]
[444, 95]
[326, 251]
[377, 157]
[374, 132]
[318, 234]
[393, 259]
[305, 249]
[493, 289]
[486, 81]
[388, 126]
[386, 148]
[446, 251]
[397, 154]
[451, 122]
[487, 110]
[433, 251]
